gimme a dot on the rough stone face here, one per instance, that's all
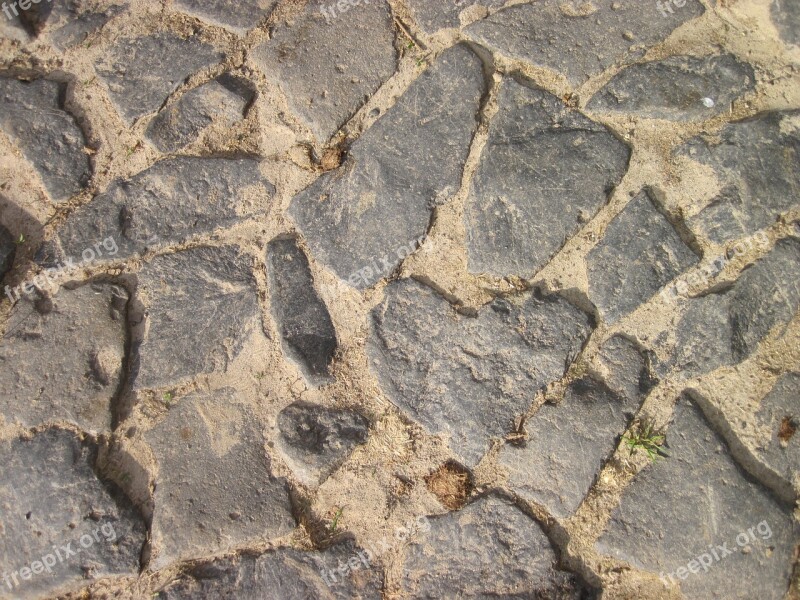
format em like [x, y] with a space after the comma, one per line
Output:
[433, 16]
[221, 101]
[327, 69]
[627, 367]
[214, 489]
[545, 170]
[302, 317]
[786, 16]
[171, 202]
[50, 497]
[129, 66]
[237, 15]
[780, 414]
[638, 255]
[576, 42]
[8, 250]
[72, 21]
[316, 440]
[757, 163]
[33, 115]
[468, 378]
[42, 382]
[679, 510]
[381, 198]
[675, 88]
[202, 306]
[488, 549]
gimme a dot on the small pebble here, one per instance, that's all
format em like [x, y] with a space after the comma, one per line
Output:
[708, 102]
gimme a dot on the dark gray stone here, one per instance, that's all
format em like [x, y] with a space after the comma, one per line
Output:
[302, 317]
[757, 163]
[173, 201]
[57, 512]
[554, 33]
[639, 254]
[33, 115]
[568, 445]
[237, 15]
[220, 102]
[786, 16]
[328, 69]
[129, 66]
[72, 21]
[316, 440]
[202, 306]
[545, 170]
[676, 88]
[214, 489]
[703, 337]
[780, 414]
[489, 549]
[689, 505]
[413, 157]
[467, 378]
[8, 249]
[62, 359]
[432, 16]
[627, 367]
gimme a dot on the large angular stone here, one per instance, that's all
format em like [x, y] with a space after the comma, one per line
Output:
[432, 16]
[142, 72]
[786, 16]
[627, 367]
[302, 317]
[545, 170]
[677, 88]
[316, 440]
[639, 254]
[328, 69]
[412, 158]
[467, 378]
[757, 164]
[489, 549]
[580, 40]
[33, 115]
[202, 306]
[57, 512]
[237, 15]
[214, 489]
[170, 203]
[780, 415]
[8, 249]
[42, 382]
[72, 21]
[684, 509]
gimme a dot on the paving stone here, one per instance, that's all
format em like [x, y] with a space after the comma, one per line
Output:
[756, 162]
[306, 328]
[786, 17]
[316, 440]
[44, 384]
[639, 254]
[381, 198]
[237, 15]
[432, 16]
[683, 509]
[128, 66]
[628, 367]
[56, 512]
[580, 43]
[214, 489]
[489, 549]
[677, 88]
[8, 250]
[328, 69]
[467, 378]
[33, 116]
[568, 445]
[780, 414]
[72, 21]
[173, 201]
[545, 170]
[202, 306]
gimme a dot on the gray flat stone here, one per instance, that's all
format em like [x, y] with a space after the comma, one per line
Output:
[237, 15]
[56, 511]
[128, 68]
[72, 21]
[691, 504]
[8, 249]
[628, 367]
[316, 440]
[639, 254]
[780, 414]
[467, 378]
[328, 69]
[202, 306]
[489, 549]
[380, 200]
[554, 34]
[173, 201]
[42, 382]
[756, 162]
[432, 16]
[677, 88]
[786, 16]
[545, 170]
[214, 489]
[33, 115]
[309, 337]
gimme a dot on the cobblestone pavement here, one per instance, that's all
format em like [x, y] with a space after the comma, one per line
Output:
[399, 299]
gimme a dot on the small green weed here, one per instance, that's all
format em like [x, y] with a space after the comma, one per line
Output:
[648, 440]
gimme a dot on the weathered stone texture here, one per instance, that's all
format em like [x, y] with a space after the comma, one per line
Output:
[432, 16]
[237, 15]
[8, 250]
[779, 414]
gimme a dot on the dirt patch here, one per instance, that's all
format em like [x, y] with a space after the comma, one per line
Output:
[451, 484]
[787, 430]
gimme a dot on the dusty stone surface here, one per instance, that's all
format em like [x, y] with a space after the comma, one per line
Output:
[432, 16]
[627, 367]
[237, 15]
[8, 250]
[786, 16]
[779, 413]
[73, 21]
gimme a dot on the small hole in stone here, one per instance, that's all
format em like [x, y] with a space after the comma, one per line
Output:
[28, 516]
[787, 429]
[451, 484]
